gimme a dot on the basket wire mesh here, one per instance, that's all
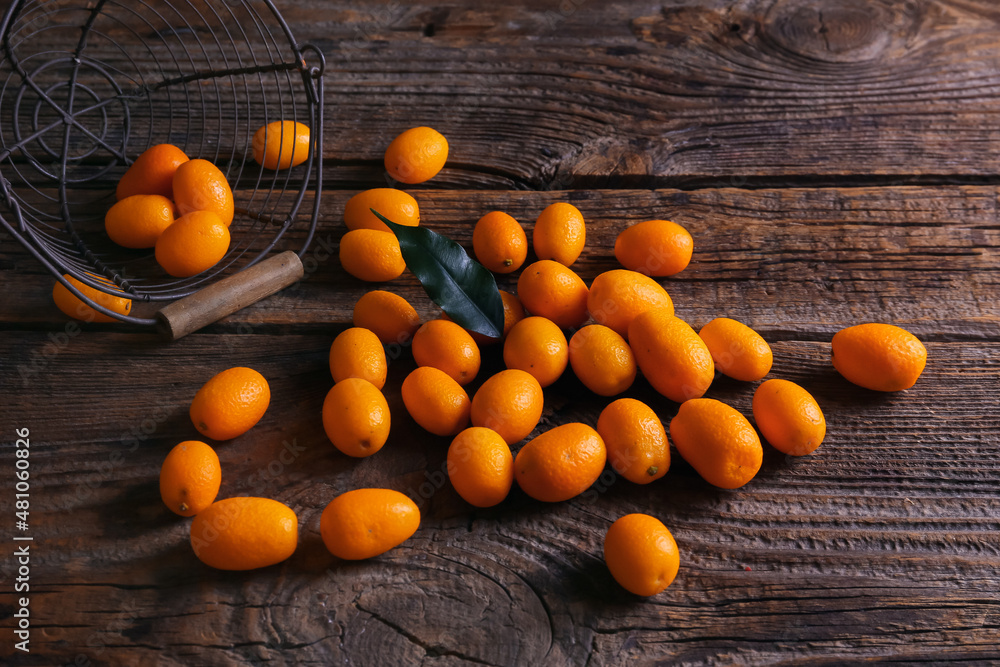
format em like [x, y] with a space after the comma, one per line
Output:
[85, 89]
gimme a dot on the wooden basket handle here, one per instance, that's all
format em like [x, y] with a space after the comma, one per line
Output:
[229, 295]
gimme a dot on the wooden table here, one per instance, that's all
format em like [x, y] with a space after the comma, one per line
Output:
[835, 161]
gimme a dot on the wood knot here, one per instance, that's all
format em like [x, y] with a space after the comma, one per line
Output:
[835, 31]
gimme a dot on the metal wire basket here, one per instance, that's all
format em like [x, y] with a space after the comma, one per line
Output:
[87, 87]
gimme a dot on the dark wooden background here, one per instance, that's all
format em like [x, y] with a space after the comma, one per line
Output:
[836, 162]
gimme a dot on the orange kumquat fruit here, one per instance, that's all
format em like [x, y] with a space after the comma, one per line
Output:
[190, 478]
[618, 296]
[416, 155]
[365, 523]
[538, 346]
[448, 347]
[199, 185]
[549, 289]
[244, 533]
[72, 305]
[602, 360]
[436, 401]
[671, 355]
[396, 205]
[559, 234]
[358, 353]
[499, 242]
[788, 417]
[737, 350]
[281, 145]
[152, 173]
[654, 248]
[881, 357]
[194, 243]
[230, 403]
[636, 440]
[371, 255]
[480, 466]
[561, 463]
[641, 554]
[717, 441]
[356, 417]
[389, 315]
[137, 221]
[509, 402]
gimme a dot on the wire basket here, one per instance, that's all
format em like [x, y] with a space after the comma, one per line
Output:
[85, 88]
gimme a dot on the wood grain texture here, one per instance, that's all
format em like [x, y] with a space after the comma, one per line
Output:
[797, 261]
[567, 93]
[835, 163]
[580, 94]
[882, 544]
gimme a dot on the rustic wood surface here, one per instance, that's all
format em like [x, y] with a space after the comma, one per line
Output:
[835, 161]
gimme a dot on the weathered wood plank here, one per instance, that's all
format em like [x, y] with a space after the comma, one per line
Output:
[651, 94]
[792, 262]
[559, 94]
[882, 544]
[746, 114]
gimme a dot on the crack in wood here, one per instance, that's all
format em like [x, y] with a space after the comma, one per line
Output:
[430, 650]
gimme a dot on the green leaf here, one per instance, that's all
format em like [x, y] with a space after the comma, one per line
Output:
[463, 287]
